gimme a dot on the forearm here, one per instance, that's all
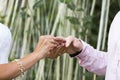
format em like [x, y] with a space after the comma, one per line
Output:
[93, 60]
[11, 70]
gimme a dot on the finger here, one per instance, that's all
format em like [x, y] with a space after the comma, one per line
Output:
[60, 39]
[60, 50]
[50, 50]
[54, 51]
[69, 40]
[54, 42]
[52, 54]
[52, 46]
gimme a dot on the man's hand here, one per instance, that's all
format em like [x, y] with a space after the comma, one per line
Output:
[72, 45]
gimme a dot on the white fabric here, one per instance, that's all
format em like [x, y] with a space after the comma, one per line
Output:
[5, 43]
[113, 69]
[101, 63]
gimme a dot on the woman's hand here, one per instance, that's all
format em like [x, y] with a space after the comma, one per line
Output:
[46, 47]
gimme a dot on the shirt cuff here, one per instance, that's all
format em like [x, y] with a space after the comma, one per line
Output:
[82, 53]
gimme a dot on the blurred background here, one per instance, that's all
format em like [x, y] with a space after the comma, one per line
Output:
[85, 19]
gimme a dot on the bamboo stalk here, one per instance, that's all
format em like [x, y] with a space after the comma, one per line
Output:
[93, 7]
[106, 24]
[102, 20]
[103, 25]
[62, 7]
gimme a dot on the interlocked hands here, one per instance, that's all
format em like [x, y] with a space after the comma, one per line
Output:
[52, 47]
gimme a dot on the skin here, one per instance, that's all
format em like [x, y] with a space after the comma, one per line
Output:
[43, 50]
[71, 46]
[47, 47]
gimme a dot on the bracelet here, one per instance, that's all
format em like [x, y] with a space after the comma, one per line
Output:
[21, 68]
[75, 54]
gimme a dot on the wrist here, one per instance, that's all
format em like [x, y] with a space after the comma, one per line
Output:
[76, 53]
[78, 48]
[37, 55]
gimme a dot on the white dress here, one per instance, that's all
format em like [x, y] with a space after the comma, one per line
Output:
[5, 43]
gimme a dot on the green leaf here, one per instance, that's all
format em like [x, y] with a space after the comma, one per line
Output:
[87, 18]
[71, 6]
[2, 16]
[66, 1]
[79, 9]
[24, 15]
[23, 8]
[73, 20]
[38, 4]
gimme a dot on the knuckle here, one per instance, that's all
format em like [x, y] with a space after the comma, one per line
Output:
[41, 37]
[50, 35]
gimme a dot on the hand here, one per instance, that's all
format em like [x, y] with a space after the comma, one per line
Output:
[45, 46]
[60, 49]
[72, 44]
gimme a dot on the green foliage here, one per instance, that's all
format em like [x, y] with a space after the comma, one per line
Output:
[23, 13]
[38, 4]
[2, 17]
[73, 20]
[66, 1]
[71, 6]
